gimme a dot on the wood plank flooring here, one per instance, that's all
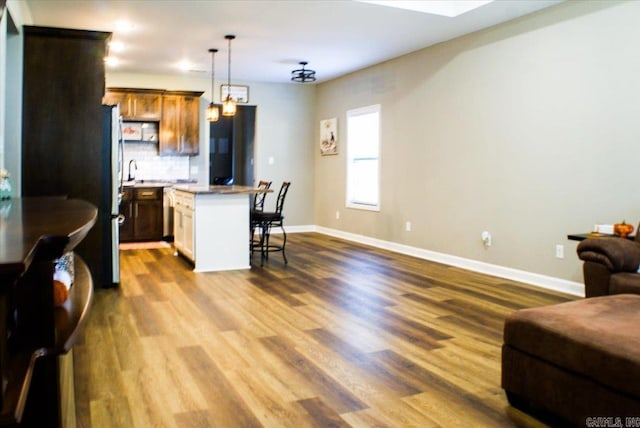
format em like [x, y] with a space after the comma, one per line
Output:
[344, 335]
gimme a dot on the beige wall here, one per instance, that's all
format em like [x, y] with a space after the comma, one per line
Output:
[529, 130]
[284, 131]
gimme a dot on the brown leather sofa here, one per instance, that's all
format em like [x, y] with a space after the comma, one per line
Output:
[573, 362]
[610, 266]
[570, 363]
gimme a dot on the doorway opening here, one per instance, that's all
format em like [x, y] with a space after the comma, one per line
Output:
[231, 148]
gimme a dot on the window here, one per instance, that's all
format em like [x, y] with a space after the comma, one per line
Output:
[363, 158]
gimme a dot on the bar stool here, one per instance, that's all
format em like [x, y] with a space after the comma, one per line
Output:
[257, 207]
[266, 220]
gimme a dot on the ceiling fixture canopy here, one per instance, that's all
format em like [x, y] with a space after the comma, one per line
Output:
[301, 75]
[229, 104]
[212, 111]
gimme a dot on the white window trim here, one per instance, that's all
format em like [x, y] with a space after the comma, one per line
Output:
[375, 108]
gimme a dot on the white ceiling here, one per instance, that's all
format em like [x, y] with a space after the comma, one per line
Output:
[336, 37]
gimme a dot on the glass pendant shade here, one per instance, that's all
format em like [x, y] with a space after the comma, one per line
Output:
[213, 114]
[228, 106]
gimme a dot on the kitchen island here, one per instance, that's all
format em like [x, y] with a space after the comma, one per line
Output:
[211, 226]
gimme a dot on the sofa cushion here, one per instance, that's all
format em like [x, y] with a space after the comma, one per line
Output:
[624, 282]
[598, 338]
[618, 255]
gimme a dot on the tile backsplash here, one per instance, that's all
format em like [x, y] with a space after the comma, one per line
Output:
[152, 166]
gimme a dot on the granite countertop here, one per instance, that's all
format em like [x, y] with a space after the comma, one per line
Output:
[155, 183]
[216, 190]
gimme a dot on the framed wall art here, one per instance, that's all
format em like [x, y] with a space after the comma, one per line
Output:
[329, 136]
[240, 93]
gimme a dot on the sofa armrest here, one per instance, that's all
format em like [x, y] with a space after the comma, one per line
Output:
[617, 254]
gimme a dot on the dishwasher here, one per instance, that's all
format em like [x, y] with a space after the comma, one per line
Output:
[168, 202]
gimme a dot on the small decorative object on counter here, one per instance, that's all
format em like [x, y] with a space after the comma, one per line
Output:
[63, 275]
[622, 229]
[5, 184]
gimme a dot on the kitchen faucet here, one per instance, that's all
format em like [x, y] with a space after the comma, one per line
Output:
[135, 166]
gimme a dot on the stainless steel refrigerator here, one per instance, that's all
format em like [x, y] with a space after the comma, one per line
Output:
[112, 150]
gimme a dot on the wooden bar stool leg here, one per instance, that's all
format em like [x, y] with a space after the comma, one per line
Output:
[263, 236]
[284, 242]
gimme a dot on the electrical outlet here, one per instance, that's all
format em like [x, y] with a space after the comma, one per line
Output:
[407, 226]
[560, 251]
[486, 238]
[337, 215]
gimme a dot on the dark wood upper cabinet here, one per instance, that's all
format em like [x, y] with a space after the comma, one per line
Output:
[180, 124]
[178, 113]
[136, 104]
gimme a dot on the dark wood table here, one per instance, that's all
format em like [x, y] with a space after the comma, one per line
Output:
[583, 236]
[33, 333]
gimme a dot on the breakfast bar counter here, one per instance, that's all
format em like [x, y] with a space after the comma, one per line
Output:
[200, 189]
[211, 225]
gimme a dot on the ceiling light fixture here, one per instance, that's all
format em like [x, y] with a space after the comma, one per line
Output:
[301, 75]
[229, 104]
[116, 47]
[212, 111]
[185, 65]
[111, 61]
[124, 27]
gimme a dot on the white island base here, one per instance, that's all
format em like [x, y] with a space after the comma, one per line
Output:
[211, 226]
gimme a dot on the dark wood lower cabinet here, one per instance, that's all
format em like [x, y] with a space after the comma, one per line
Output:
[148, 220]
[126, 210]
[142, 210]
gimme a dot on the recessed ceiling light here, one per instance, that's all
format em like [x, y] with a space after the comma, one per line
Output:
[435, 7]
[185, 65]
[112, 61]
[190, 67]
[116, 46]
[124, 26]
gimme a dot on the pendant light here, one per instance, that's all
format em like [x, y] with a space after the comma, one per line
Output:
[229, 104]
[212, 111]
[301, 75]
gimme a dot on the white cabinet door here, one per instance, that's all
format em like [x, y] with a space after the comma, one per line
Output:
[178, 228]
[188, 234]
[184, 232]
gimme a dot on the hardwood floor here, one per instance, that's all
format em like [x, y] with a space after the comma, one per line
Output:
[344, 335]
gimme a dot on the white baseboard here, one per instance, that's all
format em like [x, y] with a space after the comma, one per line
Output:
[538, 280]
[296, 229]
